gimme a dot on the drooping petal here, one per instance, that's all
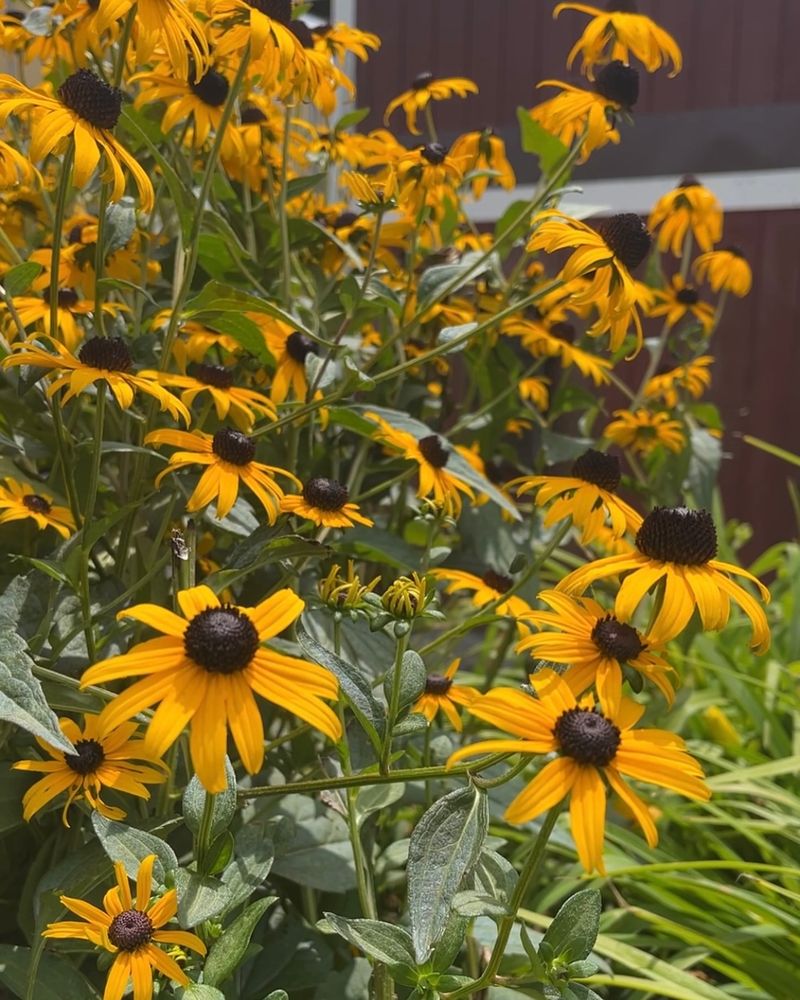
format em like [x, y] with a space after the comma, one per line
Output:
[550, 786]
[587, 814]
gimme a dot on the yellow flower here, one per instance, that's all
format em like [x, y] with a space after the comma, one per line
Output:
[86, 110]
[131, 930]
[205, 669]
[487, 588]
[535, 390]
[339, 39]
[428, 176]
[372, 192]
[643, 431]
[31, 309]
[592, 743]
[425, 88]
[587, 496]
[15, 169]
[432, 457]
[442, 695]
[340, 591]
[678, 300]
[168, 25]
[325, 502]
[576, 112]
[289, 348]
[725, 270]
[694, 378]
[105, 756]
[679, 546]
[408, 596]
[690, 206]
[20, 500]
[105, 359]
[614, 34]
[230, 457]
[609, 252]
[243, 406]
[595, 646]
[484, 151]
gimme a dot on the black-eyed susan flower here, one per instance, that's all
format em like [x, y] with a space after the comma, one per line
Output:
[85, 111]
[409, 597]
[617, 32]
[688, 207]
[424, 89]
[484, 153]
[242, 406]
[100, 359]
[266, 26]
[105, 757]
[373, 193]
[341, 591]
[556, 342]
[725, 270]
[289, 348]
[230, 459]
[204, 671]
[595, 645]
[131, 929]
[609, 252]
[428, 176]
[486, 589]
[590, 114]
[326, 503]
[168, 25]
[32, 309]
[442, 695]
[14, 168]
[21, 500]
[679, 546]
[339, 39]
[591, 744]
[587, 496]
[693, 379]
[677, 300]
[643, 431]
[431, 455]
[535, 390]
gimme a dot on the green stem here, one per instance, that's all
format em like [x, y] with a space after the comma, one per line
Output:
[203, 842]
[429, 122]
[394, 699]
[283, 221]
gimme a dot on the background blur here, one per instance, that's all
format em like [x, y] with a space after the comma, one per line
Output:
[731, 117]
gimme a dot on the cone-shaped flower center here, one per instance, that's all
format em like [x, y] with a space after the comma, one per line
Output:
[36, 503]
[67, 297]
[678, 535]
[278, 10]
[597, 468]
[422, 80]
[221, 640]
[130, 930]
[217, 375]
[109, 354]
[251, 115]
[325, 494]
[298, 347]
[88, 758]
[617, 640]
[688, 181]
[302, 33]
[437, 684]
[688, 296]
[563, 330]
[233, 446]
[626, 237]
[497, 581]
[434, 152]
[343, 220]
[91, 99]
[587, 736]
[212, 88]
[433, 451]
[618, 83]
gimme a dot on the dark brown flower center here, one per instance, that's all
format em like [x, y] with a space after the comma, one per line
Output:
[212, 88]
[688, 181]
[221, 640]
[437, 684]
[233, 446]
[67, 298]
[433, 451]
[586, 736]
[217, 375]
[626, 237]
[618, 83]
[434, 152]
[251, 115]
[597, 468]
[302, 33]
[497, 581]
[344, 220]
[91, 99]
[87, 759]
[130, 930]
[36, 503]
[422, 80]
[75, 234]
[93, 4]
[617, 640]
[298, 347]
[678, 535]
[109, 354]
[325, 494]
[563, 330]
[278, 10]
[688, 296]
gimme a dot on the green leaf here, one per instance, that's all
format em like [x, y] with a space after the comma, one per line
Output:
[217, 297]
[318, 853]
[412, 678]
[373, 798]
[534, 139]
[453, 333]
[199, 991]
[562, 447]
[56, 978]
[772, 449]
[351, 119]
[254, 853]
[377, 545]
[194, 800]
[299, 185]
[228, 950]
[120, 224]
[574, 929]
[22, 700]
[200, 897]
[452, 276]
[704, 465]
[130, 846]
[17, 280]
[444, 848]
[386, 943]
